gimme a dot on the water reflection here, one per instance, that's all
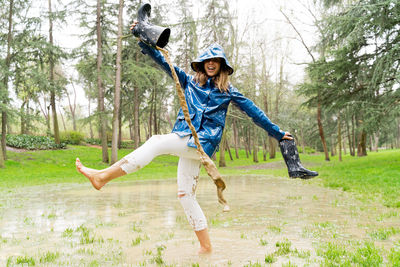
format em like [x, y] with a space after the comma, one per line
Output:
[138, 216]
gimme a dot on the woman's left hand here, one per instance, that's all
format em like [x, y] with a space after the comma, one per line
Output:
[287, 136]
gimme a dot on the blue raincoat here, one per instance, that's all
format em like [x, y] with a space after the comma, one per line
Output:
[208, 105]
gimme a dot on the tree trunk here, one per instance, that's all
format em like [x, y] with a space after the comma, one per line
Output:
[136, 103]
[264, 149]
[90, 121]
[117, 93]
[398, 133]
[48, 121]
[136, 125]
[246, 145]
[171, 125]
[146, 132]
[333, 149]
[235, 138]
[222, 162]
[340, 138]
[53, 89]
[120, 126]
[27, 117]
[348, 135]
[271, 145]
[100, 87]
[303, 145]
[362, 144]
[63, 121]
[321, 131]
[255, 148]
[23, 117]
[2, 159]
[72, 107]
[3, 152]
[3, 149]
[353, 135]
[375, 142]
[249, 146]
[228, 148]
[155, 120]
[150, 122]
[131, 135]
[371, 142]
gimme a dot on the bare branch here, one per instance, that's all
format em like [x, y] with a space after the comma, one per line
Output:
[298, 33]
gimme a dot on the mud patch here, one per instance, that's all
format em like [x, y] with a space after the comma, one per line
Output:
[273, 220]
[14, 149]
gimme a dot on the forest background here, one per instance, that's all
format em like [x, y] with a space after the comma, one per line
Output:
[327, 71]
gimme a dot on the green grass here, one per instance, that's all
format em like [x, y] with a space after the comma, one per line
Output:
[379, 172]
[58, 166]
[21, 260]
[284, 247]
[366, 254]
[384, 233]
[374, 175]
[49, 257]
[394, 256]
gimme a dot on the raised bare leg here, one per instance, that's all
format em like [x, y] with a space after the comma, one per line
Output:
[99, 178]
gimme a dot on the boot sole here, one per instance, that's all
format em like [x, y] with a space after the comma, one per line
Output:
[301, 176]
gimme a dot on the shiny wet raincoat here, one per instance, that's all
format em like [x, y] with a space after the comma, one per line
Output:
[208, 105]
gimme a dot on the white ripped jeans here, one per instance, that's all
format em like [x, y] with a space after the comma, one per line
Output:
[188, 170]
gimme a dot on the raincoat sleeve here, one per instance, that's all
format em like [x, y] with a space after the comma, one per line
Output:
[256, 114]
[160, 60]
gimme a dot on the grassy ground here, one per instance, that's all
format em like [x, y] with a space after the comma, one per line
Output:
[376, 175]
[58, 166]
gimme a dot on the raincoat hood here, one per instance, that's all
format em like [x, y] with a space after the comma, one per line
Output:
[213, 51]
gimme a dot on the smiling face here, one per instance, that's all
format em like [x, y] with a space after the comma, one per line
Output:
[212, 66]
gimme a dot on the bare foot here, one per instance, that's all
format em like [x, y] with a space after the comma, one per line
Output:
[91, 174]
[204, 251]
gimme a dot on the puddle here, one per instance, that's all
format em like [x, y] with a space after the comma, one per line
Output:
[142, 223]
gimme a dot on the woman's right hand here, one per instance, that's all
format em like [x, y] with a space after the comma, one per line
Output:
[133, 25]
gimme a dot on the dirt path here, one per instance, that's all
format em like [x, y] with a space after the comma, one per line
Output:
[142, 224]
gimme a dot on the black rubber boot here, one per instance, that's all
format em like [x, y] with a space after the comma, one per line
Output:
[292, 159]
[150, 34]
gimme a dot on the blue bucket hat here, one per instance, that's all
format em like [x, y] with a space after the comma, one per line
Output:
[213, 51]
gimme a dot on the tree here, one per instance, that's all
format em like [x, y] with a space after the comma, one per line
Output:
[72, 104]
[360, 70]
[4, 95]
[100, 86]
[216, 22]
[98, 32]
[52, 83]
[185, 35]
[117, 98]
[315, 89]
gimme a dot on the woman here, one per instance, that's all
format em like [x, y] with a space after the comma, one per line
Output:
[208, 95]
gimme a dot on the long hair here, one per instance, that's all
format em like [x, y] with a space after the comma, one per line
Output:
[221, 80]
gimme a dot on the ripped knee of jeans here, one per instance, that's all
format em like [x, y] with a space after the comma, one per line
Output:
[129, 164]
[183, 193]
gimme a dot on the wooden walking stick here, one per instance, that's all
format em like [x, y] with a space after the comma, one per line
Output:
[158, 37]
[204, 158]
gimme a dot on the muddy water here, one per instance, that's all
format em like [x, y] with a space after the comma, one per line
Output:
[143, 224]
